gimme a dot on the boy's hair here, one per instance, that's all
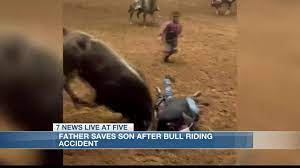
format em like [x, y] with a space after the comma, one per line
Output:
[176, 14]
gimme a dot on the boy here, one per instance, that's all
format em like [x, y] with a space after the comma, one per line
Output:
[170, 32]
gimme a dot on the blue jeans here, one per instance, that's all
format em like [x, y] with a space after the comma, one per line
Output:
[168, 89]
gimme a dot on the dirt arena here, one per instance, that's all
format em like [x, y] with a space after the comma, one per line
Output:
[206, 61]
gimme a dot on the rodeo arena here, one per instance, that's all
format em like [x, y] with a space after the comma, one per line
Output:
[166, 65]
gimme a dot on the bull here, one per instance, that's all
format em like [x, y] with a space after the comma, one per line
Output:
[30, 88]
[148, 7]
[117, 84]
[219, 3]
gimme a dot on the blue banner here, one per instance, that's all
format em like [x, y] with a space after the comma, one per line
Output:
[126, 140]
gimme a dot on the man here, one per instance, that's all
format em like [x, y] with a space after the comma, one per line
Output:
[170, 32]
[137, 4]
[175, 114]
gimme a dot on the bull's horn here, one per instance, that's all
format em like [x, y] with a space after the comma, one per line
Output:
[197, 94]
[157, 89]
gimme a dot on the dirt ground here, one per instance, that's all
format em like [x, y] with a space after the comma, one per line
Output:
[268, 75]
[206, 61]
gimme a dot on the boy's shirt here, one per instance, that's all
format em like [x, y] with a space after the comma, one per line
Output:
[170, 31]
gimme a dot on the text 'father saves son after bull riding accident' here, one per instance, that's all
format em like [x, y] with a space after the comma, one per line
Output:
[150, 136]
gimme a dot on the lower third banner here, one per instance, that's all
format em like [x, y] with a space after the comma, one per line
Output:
[126, 140]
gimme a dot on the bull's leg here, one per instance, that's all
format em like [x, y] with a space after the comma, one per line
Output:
[228, 11]
[76, 100]
[52, 158]
[99, 100]
[130, 17]
[138, 14]
[217, 11]
[131, 12]
[144, 19]
[230, 7]
[153, 18]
